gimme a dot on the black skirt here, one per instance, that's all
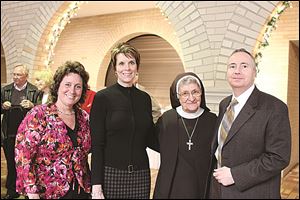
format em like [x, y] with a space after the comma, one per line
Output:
[122, 184]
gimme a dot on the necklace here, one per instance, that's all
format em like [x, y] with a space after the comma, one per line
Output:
[189, 143]
[72, 113]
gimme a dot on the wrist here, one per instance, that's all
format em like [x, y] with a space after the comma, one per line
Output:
[96, 191]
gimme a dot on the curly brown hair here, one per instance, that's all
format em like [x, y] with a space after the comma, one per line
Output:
[67, 68]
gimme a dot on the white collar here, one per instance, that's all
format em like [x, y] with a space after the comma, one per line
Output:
[244, 96]
[21, 88]
[186, 115]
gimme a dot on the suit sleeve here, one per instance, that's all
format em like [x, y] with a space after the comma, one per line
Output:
[276, 153]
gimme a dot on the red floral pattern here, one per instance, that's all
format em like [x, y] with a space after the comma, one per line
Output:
[46, 161]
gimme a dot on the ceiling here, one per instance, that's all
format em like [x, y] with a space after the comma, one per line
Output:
[93, 8]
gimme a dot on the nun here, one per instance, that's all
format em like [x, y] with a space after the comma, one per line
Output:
[185, 134]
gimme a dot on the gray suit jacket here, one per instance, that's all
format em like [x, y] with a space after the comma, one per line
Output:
[257, 148]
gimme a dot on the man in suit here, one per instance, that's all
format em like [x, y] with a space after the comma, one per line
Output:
[258, 144]
[17, 99]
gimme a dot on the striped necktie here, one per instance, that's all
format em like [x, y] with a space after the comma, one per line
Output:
[225, 127]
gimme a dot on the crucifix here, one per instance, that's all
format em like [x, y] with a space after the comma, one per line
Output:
[189, 143]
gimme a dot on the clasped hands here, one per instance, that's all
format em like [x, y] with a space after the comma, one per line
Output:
[24, 103]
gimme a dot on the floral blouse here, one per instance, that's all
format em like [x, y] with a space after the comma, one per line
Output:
[46, 161]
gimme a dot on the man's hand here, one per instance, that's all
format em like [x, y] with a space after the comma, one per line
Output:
[26, 103]
[223, 176]
[6, 105]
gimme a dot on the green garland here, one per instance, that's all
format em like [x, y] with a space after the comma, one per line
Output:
[58, 28]
[271, 25]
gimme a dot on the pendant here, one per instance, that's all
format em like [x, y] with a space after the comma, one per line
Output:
[189, 143]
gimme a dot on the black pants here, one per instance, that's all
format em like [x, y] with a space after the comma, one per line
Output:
[9, 151]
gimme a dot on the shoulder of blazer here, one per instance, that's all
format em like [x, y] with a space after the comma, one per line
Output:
[224, 103]
[8, 87]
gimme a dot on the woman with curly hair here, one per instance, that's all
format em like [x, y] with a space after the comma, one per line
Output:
[53, 141]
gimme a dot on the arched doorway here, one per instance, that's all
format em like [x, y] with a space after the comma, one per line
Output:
[160, 64]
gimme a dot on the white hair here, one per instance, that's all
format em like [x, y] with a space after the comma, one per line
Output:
[187, 79]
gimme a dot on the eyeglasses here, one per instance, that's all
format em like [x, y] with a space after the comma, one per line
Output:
[185, 95]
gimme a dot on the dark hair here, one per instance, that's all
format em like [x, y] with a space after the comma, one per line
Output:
[244, 51]
[251, 56]
[67, 68]
[128, 50]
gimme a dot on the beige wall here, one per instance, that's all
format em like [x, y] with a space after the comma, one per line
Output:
[89, 40]
[293, 101]
[279, 71]
[273, 69]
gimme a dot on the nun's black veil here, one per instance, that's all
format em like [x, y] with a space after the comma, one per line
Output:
[173, 96]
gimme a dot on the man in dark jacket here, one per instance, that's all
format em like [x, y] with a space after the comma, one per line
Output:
[250, 152]
[17, 99]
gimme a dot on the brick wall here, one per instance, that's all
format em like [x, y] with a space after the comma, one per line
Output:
[203, 33]
[89, 40]
[22, 26]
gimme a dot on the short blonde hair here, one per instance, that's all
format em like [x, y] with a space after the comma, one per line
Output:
[45, 75]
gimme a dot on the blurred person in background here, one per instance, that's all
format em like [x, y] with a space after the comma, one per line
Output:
[17, 99]
[43, 81]
[156, 108]
[90, 95]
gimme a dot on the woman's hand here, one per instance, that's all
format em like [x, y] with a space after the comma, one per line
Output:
[33, 196]
[97, 192]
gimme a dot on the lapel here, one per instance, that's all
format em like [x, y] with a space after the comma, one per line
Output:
[247, 111]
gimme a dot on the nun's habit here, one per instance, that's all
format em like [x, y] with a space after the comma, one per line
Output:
[184, 168]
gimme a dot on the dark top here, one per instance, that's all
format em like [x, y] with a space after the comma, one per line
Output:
[184, 173]
[121, 129]
[16, 113]
[72, 133]
[13, 116]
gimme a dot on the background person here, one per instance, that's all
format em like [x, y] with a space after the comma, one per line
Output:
[53, 141]
[122, 128]
[154, 157]
[156, 108]
[87, 105]
[258, 144]
[43, 81]
[185, 134]
[17, 99]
